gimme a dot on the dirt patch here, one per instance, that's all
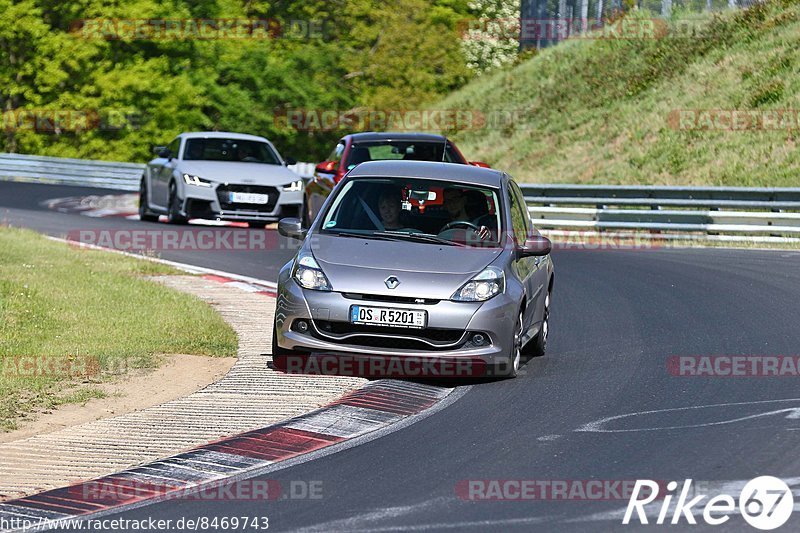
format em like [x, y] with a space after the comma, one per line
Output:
[179, 376]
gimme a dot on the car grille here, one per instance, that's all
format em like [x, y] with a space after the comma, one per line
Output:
[222, 196]
[389, 337]
[393, 299]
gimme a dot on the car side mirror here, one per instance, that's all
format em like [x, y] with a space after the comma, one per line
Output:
[290, 161]
[326, 167]
[292, 228]
[479, 164]
[536, 245]
[160, 151]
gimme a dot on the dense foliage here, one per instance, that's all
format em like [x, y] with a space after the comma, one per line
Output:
[103, 89]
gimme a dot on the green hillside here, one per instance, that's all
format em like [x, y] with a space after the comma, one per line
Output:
[608, 111]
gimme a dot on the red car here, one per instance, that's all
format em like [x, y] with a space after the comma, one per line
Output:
[373, 146]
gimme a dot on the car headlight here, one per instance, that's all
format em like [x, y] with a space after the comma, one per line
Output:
[485, 285]
[294, 186]
[309, 275]
[189, 179]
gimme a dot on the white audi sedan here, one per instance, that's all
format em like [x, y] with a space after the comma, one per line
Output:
[219, 176]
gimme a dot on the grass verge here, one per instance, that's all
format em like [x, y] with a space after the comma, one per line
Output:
[603, 111]
[69, 317]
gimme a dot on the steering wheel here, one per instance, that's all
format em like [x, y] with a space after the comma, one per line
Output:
[451, 225]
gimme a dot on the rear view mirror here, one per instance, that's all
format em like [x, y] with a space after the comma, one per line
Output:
[326, 167]
[292, 228]
[421, 196]
[290, 161]
[161, 151]
[536, 245]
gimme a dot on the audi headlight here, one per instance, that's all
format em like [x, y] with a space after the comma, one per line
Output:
[309, 275]
[294, 186]
[189, 179]
[485, 285]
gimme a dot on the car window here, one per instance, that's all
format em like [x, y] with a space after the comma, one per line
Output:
[174, 147]
[336, 155]
[230, 150]
[400, 150]
[448, 211]
[520, 220]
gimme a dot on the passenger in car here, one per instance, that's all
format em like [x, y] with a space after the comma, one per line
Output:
[389, 208]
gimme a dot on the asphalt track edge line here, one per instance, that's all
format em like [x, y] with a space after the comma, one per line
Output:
[191, 269]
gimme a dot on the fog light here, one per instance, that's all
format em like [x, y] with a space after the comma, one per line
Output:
[302, 326]
[479, 339]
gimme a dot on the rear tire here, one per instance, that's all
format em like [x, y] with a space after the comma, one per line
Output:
[145, 215]
[174, 213]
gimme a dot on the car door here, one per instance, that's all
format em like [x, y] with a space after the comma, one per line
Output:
[529, 270]
[161, 173]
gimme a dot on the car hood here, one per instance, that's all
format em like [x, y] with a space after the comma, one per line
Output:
[424, 270]
[249, 173]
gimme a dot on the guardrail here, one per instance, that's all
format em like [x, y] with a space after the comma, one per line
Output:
[694, 213]
[88, 173]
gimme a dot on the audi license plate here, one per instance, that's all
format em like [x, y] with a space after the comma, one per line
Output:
[388, 316]
[248, 198]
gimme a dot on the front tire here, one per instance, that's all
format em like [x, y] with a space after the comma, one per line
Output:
[304, 219]
[145, 215]
[277, 350]
[538, 346]
[510, 368]
[174, 215]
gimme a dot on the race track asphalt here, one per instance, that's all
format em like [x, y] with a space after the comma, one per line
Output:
[618, 317]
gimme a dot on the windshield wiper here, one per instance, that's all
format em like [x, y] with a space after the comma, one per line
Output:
[419, 237]
[376, 236]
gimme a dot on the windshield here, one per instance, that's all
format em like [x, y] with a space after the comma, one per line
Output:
[230, 150]
[416, 209]
[402, 150]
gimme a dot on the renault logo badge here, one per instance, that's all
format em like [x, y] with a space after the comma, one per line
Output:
[392, 282]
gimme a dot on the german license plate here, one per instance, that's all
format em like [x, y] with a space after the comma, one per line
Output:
[388, 316]
[248, 198]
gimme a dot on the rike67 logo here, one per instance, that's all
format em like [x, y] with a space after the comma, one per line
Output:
[765, 503]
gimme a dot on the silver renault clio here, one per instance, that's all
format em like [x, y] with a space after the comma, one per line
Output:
[418, 259]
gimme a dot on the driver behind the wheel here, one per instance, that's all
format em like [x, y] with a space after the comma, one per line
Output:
[455, 204]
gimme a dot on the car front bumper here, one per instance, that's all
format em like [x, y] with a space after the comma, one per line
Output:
[449, 332]
[211, 203]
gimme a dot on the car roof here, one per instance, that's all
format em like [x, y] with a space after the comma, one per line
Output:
[428, 169]
[395, 136]
[221, 135]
